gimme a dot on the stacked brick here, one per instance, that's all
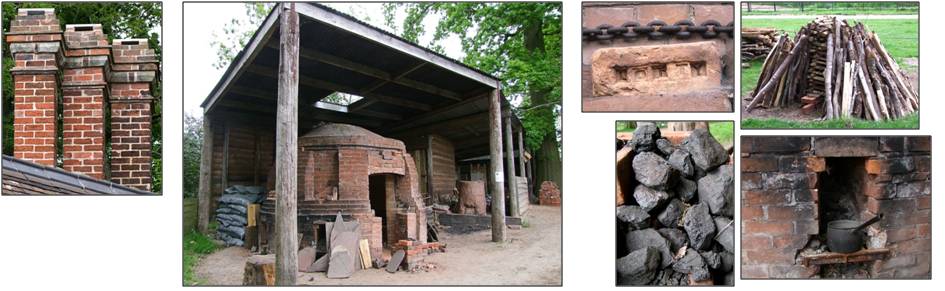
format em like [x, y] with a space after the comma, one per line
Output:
[133, 72]
[35, 43]
[83, 98]
[90, 75]
[781, 201]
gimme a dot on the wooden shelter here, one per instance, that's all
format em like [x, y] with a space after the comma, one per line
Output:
[273, 91]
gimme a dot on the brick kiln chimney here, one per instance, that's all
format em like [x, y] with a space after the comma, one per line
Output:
[83, 99]
[35, 41]
[133, 71]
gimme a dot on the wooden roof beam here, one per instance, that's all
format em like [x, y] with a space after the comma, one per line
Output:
[384, 77]
[309, 81]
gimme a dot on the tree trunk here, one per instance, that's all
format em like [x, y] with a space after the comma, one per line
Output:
[548, 156]
[687, 126]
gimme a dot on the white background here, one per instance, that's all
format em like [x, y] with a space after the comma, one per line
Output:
[134, 243]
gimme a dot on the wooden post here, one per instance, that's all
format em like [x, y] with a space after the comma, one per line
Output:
[226, 155]
[496, 174]
[286, 227]
[204, 194]
[521, 152]
[510, 159]
[429, 157]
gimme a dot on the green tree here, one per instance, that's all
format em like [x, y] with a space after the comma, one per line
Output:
[520, 43]
[193, 141]
[119, 20]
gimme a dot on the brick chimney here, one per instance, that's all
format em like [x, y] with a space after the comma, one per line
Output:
[35, 40]
[83, 99]
[133, 71]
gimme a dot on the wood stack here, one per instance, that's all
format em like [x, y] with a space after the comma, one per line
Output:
[757, 42]
[837, 69]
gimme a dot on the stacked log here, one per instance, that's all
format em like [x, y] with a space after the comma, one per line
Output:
[757, 43]
[835, 69]
[677, 226]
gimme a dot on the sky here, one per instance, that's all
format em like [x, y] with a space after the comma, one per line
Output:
[199, 74]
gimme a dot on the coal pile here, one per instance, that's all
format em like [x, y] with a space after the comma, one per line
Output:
[835, 69]
[675, 208]
[757, 43]
[231, 212]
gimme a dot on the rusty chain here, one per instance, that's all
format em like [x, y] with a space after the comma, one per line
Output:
[657, 29]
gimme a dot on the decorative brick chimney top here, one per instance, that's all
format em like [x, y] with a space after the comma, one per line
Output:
[34, 39]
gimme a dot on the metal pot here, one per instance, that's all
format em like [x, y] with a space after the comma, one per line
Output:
[846, 236]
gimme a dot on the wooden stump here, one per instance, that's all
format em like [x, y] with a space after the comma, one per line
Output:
[260, 271]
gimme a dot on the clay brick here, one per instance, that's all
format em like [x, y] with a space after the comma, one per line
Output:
[642, 70]
[753, 212]
[875, 166]
[816, 164]
[924, 202]
[845, 146]
[923, 163]
[792, 164]
[789, 242]
[768, 256]
[768, 197]
[805, 211]
[892, 143]
[751, 181]
[776, 144]
[759, 164]
[757, 241]
[919, 143]
[771, 228]
[754, 271]
[900, 234]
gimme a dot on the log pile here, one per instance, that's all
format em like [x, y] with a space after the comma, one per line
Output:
[837, 69]
[757, 43]
[675, 209]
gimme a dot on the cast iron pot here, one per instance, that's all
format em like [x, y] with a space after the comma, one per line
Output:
[846, 236]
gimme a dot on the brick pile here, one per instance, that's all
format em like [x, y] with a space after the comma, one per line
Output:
[675, 205]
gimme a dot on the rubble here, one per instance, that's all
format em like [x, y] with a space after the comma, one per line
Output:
[681, 209]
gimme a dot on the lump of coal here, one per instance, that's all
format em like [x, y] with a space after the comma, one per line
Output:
[665, 146]
[707, 153]
[686, 189]
[649, 198]
[712, 259]
[651, 170]
[717, 190]
[676, 237]
[639, 267]
[634, 216]
[699, 226]
[645, 136]
[681, 161]
[727, 233]
[728, 261]
[649, 238]
[671, 214]
[668, 277]
[692, 264]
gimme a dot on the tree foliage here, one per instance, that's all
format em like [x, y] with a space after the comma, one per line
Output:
[193, 141]
[495, 39]
[234, 35]
[119, 20]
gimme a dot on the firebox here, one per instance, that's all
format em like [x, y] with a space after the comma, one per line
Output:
[364, 176]
[793, 187]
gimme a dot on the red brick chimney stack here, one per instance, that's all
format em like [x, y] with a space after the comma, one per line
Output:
[35, 40]
[83, 99]
[133, 71]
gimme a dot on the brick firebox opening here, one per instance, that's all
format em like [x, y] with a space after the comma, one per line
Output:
[792, 186]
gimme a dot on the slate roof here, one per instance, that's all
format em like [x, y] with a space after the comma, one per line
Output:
[22, 177]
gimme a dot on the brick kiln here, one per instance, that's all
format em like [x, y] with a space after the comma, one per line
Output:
[792, 187]
[365, 176]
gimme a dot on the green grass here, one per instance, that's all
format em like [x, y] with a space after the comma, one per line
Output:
[901, 39]
[833, 12]
[196, 244]
[899, 36]
[910, 121]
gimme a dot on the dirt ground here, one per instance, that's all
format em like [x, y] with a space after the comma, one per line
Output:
[532, 256]
[794, 113]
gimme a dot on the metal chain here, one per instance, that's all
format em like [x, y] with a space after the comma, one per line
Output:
[657, 29]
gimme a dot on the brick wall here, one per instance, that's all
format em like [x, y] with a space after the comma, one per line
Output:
[83, 99]
[781, 197]
[131, 77]
[78, 72]
[35, 42]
